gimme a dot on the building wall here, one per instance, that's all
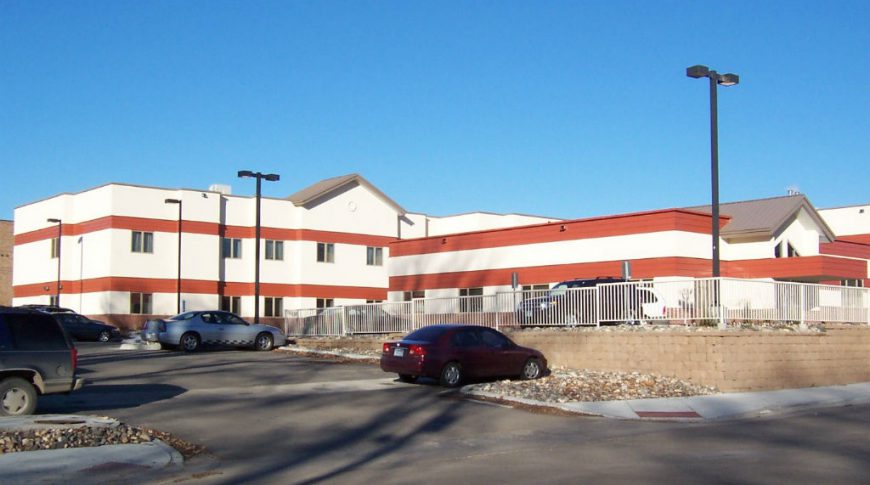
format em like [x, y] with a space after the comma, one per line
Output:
[848, 221]
[421, 225]
[6, 252]
[99, 270]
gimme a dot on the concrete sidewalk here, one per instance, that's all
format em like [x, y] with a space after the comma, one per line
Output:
[712, 407]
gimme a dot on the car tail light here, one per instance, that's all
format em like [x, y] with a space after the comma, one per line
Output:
[417, 350]
[386, 348]
[74, 356]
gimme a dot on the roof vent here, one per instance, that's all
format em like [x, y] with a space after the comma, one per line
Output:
[221, 188]
[792, 190]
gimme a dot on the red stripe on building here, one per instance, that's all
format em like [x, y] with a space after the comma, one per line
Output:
[807, 268]
[641, 268]
[812, 268]
[599, 227]
[156, 285]
[199, 227]
[856, 238]
[846, 248]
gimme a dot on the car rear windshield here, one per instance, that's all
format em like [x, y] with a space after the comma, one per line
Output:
[30, 332]
[426, 334]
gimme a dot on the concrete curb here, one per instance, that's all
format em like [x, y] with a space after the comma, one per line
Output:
[711, 407]
[89, 465]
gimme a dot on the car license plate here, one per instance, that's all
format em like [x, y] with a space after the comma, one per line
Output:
[399, 352]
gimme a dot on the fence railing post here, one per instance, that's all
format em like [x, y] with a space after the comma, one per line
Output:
[802, 324]
[720, 308]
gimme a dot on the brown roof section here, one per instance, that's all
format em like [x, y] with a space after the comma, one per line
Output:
[765, 217]
[324, 187]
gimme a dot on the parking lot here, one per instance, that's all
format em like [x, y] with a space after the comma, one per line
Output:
[280, 418]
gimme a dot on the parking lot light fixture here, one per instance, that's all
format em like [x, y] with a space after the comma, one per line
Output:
[271, 177]
[178, 273]
[716, 79]
[59, 234]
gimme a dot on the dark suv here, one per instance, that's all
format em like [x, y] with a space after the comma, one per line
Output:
[564, 303]
[571, 303]
[36, 357]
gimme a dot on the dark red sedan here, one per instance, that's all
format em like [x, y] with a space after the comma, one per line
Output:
[455, 353]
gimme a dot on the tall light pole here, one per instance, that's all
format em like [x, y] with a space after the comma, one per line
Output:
[715, 80]
[59, 234]
[178, 274]
[271, 177]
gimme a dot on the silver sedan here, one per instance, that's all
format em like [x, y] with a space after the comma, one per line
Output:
[191, 330]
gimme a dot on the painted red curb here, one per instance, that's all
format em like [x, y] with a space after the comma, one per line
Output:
[667, 414]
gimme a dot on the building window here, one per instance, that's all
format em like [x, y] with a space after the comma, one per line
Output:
[232, 304]
[325, 252]
[142, 242]
[325, 303]
[374, 301]
[55, 248]
[374, 256]
[140, 303]
[53, 301]
[536, 287]
[275, 250]
[417, 297]
[792, 252]
[274, 307]
[473, 301]
[856, 283]
[231, 248]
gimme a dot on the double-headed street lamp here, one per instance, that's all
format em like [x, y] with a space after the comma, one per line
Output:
[59, 234]
[715, 80]
[271, 177]
[178, 276]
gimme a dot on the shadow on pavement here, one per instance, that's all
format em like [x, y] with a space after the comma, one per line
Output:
[100, 397]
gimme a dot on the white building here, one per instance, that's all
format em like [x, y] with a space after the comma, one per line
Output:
[342, 241]
[325, 245]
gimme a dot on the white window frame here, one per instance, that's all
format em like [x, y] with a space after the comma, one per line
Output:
[141, 242]
[231, 248]
[374, 256]
[274, 250]
[325, 252]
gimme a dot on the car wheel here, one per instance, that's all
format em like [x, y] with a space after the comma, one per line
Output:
[190, 342]
[17, 397]
[264, 342]
[407, 378]
[451, 374]
[104, 336]
[532, 369]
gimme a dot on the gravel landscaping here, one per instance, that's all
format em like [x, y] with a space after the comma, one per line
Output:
[86, 436]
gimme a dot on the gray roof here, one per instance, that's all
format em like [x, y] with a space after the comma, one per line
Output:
[765, 217]
[314, 192]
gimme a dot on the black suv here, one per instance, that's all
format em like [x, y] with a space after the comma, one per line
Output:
[561, 306]
[36, 357]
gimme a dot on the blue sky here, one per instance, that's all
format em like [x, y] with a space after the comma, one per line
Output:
[563, 109]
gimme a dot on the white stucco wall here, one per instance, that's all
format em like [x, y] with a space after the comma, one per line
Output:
[846, 221]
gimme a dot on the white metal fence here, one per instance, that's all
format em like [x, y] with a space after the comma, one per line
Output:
[710, 301]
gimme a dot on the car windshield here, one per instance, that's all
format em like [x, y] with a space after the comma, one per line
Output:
[426, 334]
[183, 316]
[559, 290]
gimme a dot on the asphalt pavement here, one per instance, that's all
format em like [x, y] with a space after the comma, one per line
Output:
[119, 463]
